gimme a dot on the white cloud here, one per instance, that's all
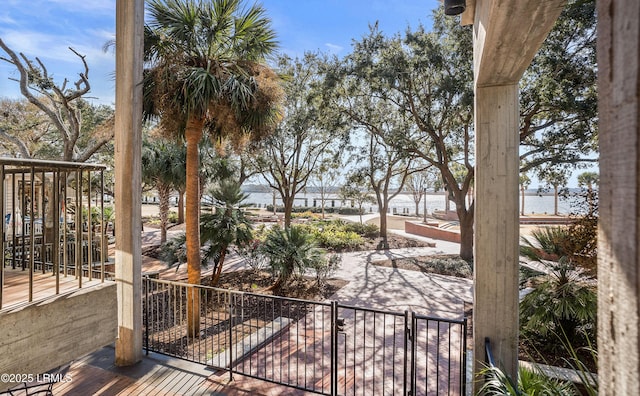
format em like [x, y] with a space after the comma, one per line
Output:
[42, 45]
[334, 48]
[104, 34]
[7, 20]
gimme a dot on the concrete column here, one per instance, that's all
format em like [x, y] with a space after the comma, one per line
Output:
[619, 228]
[496, 226]
[128, 144]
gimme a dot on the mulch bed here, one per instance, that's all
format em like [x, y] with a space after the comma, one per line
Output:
[425, 264]
[259, 282]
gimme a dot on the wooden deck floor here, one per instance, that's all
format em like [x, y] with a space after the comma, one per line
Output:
[96, 374]
[15, 291]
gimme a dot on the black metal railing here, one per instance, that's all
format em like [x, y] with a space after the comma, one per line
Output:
[319, 347]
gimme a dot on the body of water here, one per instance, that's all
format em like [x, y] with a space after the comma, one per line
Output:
[404, 204]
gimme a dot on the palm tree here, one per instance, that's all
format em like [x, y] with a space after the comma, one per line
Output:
[227, 226]
[556, 179]
[206, 74]
[589, 179]
[163, 165]
[288, 250]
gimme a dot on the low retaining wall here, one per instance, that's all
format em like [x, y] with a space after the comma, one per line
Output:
[44, 335]
[431, 231]
[249, 344]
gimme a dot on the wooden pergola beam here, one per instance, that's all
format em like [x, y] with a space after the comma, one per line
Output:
[507, 35]
[128, 175]
[619, 195]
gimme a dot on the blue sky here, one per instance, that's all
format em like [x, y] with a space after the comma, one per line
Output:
[47, 28]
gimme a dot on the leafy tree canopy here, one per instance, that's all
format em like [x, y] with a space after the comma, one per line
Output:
[558, 97]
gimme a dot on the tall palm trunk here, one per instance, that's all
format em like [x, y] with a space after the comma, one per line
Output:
[193, 134]
[181, 206]
[164, 191]
[215, 277]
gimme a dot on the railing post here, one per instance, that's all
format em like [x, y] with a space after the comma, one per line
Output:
[334, 348]
[230, 336]
[146, 283]
[414, 348]
[464, 356]
[407, 336]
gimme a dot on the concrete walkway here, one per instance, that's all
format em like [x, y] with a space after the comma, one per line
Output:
[396, 289]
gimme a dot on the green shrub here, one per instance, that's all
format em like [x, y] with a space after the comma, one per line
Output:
[260, 232]
[529, 382]
[367, 230]
[337, 240]
[253, 256]
[173, 217]
[325, 268]
[453, 266]
[174, 251]
[564, 299]
[349, 211]
[532, 380]
[312, 209]
[307, 214]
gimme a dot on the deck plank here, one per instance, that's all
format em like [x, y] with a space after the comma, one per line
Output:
[15, 291]
[158, 375]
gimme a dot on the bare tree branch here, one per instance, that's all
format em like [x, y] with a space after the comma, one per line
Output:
[58, 102]
[22, 148]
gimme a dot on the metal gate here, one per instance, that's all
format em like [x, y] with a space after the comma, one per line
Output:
[325, 348]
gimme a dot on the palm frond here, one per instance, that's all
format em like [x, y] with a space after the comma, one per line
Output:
[203, 56]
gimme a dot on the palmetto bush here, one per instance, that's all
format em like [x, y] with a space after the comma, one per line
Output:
[564, 300]
[530, 383]
[227, 226]
[290, 252]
